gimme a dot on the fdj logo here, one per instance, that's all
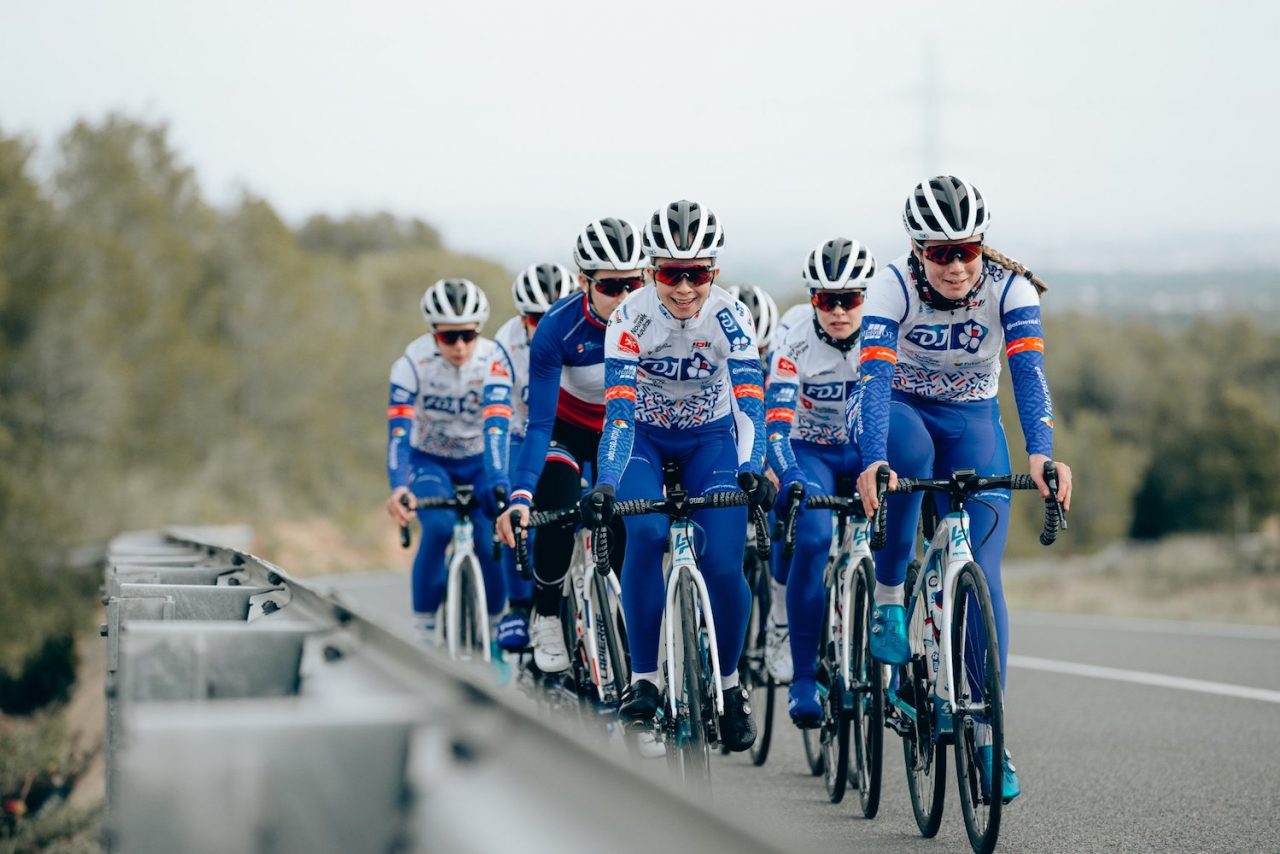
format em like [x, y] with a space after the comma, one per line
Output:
[826, 391]
[696, 367]
[468, 404]
[967, 336]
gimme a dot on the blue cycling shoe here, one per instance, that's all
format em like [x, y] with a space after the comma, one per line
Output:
[513, 630]
[889, 634]
[804, 704]
[1010, 786]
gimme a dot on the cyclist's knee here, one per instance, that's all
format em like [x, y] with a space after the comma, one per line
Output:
[647, 534]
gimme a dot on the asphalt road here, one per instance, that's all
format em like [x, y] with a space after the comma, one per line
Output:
[1128, 735]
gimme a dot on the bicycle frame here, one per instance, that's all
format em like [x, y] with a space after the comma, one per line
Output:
[684, 563]
[591, 629]
[949, 550]
[464, 559]
[850, 543]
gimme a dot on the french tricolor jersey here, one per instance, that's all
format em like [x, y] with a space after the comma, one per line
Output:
[443, 401]
[952, 355]
[681, 374]
[508, 379]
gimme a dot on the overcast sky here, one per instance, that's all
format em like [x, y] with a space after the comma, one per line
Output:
[1096, 130]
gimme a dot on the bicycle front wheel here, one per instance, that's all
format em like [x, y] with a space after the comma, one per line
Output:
[692, 748]
[868, 697]
[923, 752]
[978, 706]
[758, 679]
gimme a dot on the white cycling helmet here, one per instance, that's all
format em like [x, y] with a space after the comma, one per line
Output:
[837, 265]
[539, 286]
[945, 208]
[455, 301]
[764, 311]
[683, 230]
[609, 244]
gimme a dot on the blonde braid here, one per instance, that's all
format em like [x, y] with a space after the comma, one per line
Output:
[1014, 266]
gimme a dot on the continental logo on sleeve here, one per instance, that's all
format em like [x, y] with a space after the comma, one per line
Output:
[628, 344]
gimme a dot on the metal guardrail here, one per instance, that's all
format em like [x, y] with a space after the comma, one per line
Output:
[249, 713]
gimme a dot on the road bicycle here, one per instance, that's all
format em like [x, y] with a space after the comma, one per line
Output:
[751, 664]
[949, 692]
[688, 722]
[849, 681]
[465, 628]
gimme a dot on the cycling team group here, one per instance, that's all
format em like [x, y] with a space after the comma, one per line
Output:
[638, 360]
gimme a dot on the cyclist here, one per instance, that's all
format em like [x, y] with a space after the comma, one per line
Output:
[435, 439]
[798, 313]
[566, 415]
[506, 411]
[932, 330]
[764, 315]
[812, 375]
[683, 383]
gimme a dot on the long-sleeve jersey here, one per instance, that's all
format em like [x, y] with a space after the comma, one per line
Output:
[810, 382]
[506, 396]
[566, 381]
[911, 347]
[792, 317]
[680, 375]
[434, 407]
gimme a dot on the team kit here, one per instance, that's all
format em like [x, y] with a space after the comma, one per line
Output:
[635, 404]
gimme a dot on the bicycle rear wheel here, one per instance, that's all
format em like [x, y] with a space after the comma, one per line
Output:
[979, 703]
[868, 697]
[922, 748]
[813, 751]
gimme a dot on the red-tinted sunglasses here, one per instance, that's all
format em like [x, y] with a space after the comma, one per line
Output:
[943, 255]
[617, 286]
[453, 336]
[671, 274]
[829, 301]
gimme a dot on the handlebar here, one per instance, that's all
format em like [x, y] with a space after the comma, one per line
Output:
[464, 501]
[537, 520]
[851, 505]
[965, 482]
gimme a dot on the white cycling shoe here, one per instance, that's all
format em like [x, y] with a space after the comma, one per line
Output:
[549, 652]
[777, 652]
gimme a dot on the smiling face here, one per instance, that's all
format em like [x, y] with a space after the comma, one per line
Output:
[955, 278]
[684, 299]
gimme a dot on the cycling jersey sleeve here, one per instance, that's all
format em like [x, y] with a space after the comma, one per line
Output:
[545, 364]
[886, 308]
[748, 412]
[1024, 346]
[780, 412]
[404, 388]
[621, 356]
[497, 416]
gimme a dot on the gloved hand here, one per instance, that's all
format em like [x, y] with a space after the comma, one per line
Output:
[494, 499]
[760, 490]
[596, 506]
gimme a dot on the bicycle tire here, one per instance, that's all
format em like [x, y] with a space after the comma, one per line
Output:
[923, 752]
[695, 747]
[834, 731]
[812, 739]
[981, 815]
[754, 670]
[867, 764]
[467, 634]
[619, 672]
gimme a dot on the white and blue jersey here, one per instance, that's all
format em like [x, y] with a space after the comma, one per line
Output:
[796, 315]
[951, 356]
[506, 396]
[810, 383]
[680, 375]
[434, 407]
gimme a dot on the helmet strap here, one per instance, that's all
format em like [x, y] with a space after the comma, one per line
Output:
[930, 296]
[844, 345]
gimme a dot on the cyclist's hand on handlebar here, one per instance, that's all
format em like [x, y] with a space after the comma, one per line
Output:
[1036, 463]
[515, 516]
[792, 478]
[867, 486]
[759, 489]
[399, 505]
[494, 500]
[596, 506]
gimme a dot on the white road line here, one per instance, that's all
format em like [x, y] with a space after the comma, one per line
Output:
[1137, 624]
[1139, 677]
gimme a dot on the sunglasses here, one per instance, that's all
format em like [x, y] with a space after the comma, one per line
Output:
[828, 301]
[671, 274]
[453, 336]
[617, 286]
[943, 255]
